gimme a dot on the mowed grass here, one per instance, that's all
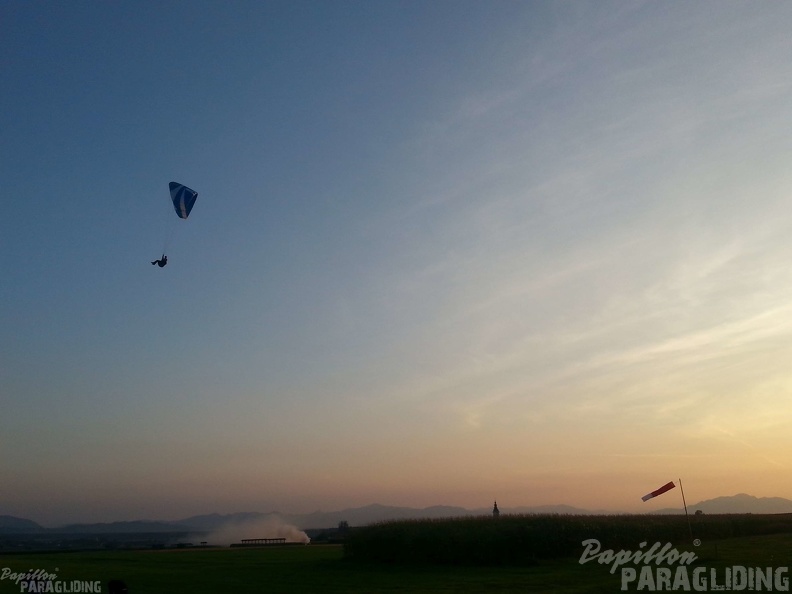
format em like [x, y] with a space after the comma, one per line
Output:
[319, 569]
[323, 569]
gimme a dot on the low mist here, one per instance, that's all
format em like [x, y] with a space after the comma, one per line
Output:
[270, 527]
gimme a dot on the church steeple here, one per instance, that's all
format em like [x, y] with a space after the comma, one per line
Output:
[495, 510]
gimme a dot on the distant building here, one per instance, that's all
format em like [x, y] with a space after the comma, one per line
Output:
[495, 510]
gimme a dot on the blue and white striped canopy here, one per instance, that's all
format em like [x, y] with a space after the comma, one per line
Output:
[183, 199]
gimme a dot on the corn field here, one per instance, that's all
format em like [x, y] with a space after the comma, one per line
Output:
[527, 539]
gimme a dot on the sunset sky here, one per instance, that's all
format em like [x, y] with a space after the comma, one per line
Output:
[444, 252]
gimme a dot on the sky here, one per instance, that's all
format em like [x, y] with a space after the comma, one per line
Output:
[443, 252]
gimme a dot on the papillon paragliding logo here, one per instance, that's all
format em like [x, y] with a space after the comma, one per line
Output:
[41, 580]
[183, 199]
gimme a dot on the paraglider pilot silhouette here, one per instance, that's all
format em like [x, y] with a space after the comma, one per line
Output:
[183, 199]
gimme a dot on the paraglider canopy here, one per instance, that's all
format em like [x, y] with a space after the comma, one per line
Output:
[183, 199]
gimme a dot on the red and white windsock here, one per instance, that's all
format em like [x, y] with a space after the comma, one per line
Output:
[660, 491]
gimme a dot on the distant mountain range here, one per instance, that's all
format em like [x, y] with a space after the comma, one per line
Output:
[369, 514]
[741, 503]
[12, 525]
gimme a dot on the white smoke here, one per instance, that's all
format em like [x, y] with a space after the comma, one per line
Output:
[269, 527]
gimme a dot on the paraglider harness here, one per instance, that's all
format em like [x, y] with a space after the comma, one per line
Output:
[162, 261]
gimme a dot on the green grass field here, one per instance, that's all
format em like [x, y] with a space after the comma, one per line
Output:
[323, 569]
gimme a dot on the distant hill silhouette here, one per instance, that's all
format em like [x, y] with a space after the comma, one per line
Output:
[741, 503]
[556, 509]
[211, 522]
[12, 525]
[359, 516]
[121, 527]
[370, 514]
